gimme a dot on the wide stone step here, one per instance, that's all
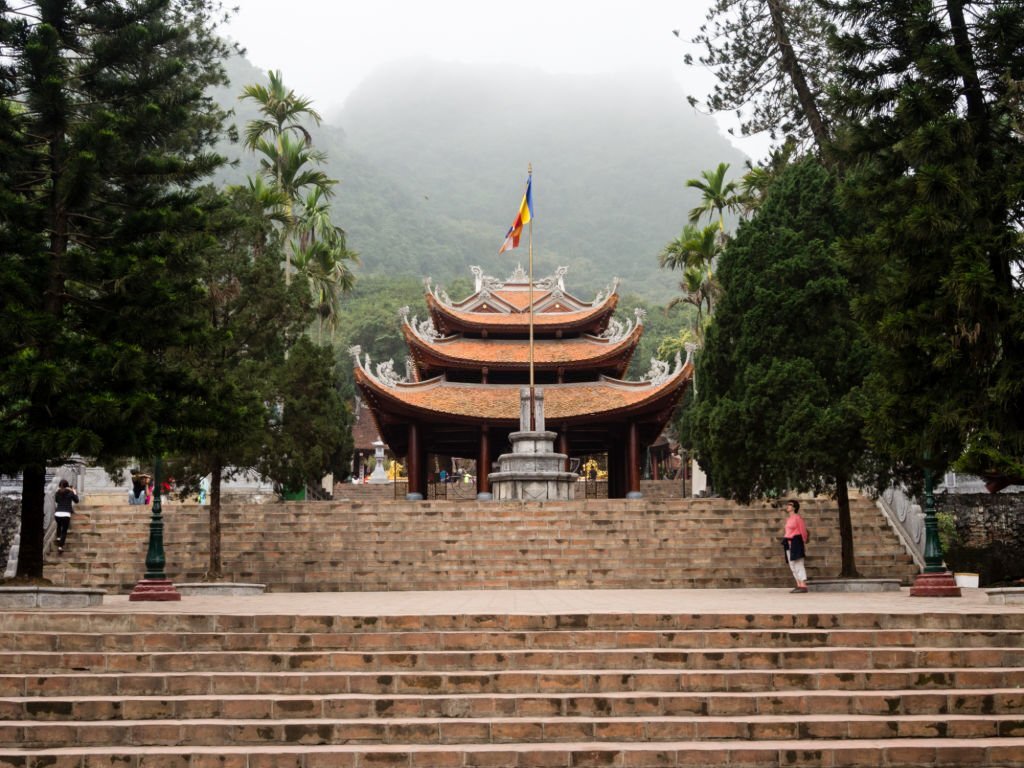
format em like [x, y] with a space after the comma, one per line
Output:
[597, 681]
[500, 730]
[496, 641]
[896, 753]
[846, 658]
[611, 704]
[569, 624]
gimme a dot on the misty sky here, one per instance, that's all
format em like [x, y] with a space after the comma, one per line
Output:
[325, 48]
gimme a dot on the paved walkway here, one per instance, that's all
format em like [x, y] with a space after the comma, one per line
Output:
[564, 601]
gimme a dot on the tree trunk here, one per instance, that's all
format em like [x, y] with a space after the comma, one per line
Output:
[216, 570]
[849, 567]
[30, 552]
[791, 66]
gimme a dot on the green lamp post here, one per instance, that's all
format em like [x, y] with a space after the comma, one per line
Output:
[933, 562]
[155, 585]
[934, 580]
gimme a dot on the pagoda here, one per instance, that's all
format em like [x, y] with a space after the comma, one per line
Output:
[459, 395]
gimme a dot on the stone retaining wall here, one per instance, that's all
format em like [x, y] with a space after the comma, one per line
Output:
[990, 533]
[10, 516]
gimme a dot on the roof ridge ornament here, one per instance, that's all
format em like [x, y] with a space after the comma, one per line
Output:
[607, 292]
[483, 283]
[425, 329]
[661, 371]
[555, 282]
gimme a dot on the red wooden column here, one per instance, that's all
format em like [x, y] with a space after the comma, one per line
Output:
[632, 461]
[483, 463]
[413, 459]
[563, 446]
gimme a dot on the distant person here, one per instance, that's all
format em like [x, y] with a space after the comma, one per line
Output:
[593, 473]
[66, 498]
[139, 494]
[794, 540]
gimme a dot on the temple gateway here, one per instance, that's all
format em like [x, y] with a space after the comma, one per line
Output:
[469, 359]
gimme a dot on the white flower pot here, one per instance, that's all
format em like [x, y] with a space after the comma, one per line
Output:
[969, 580]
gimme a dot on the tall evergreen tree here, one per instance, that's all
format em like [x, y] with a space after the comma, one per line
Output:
[772, 65]
[778, 404]
[251, 319]
[931, 130]
[106, 127]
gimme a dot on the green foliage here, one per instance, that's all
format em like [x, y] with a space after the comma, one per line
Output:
[105, 130]
[948, 536]
[777, 404]
[311, 431]
[772, 65]
[930, 102]
[297, 194]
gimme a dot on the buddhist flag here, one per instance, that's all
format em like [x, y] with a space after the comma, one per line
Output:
[522, 218]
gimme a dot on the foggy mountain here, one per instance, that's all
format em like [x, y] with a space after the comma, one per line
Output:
[432, 159]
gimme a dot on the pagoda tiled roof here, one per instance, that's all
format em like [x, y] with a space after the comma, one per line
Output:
[590, 317]
[504, 306]
[580, 401]
[586, 351]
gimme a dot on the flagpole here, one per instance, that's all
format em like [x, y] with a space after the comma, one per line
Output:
[533, 404]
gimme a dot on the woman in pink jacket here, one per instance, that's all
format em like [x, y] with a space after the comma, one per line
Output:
[794, 541]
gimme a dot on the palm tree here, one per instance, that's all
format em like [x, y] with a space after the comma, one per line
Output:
[323, 257]
[694, 247]
[286, 160]
[282, 111]
[716, 195]
[695, 252]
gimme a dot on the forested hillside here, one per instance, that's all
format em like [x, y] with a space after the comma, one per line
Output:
[432, 159]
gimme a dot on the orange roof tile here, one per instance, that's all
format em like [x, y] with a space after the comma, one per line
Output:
[501, 401]
[582, 350]
[521, 319]
[521, 299]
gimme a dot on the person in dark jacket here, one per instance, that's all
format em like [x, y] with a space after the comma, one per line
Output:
[66, 498]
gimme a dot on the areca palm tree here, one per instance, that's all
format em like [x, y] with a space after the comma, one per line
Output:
[285, 146]
[694, 247]
[323, 257]
[283, 111]
[694, 253]
[716, 195]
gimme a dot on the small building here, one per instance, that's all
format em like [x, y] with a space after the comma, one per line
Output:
[459, 395]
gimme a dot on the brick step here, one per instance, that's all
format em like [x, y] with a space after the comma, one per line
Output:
[131, 683]
[568, 624]
[604, 705]
[499, 642]
[662, 659]
[895, 753]
[499, 730]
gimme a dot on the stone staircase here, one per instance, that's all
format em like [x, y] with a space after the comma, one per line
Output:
[140, 689]
[388, 546]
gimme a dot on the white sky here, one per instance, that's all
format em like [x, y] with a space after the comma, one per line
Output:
[325, 48]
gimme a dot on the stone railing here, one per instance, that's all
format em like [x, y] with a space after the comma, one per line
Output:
[907, 519]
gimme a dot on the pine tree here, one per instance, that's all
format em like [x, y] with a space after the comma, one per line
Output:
[778, 404]
[107, 128]
[931, 132]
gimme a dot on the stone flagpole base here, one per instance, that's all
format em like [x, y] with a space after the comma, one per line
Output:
[154, 589]
[935, 585]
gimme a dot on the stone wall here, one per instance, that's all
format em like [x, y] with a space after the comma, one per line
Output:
[10, 515]
[990, 535]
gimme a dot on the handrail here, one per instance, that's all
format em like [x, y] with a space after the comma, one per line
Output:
[906, 518]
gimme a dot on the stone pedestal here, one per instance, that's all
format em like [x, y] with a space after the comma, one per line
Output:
[378, 476]
[533, 471]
